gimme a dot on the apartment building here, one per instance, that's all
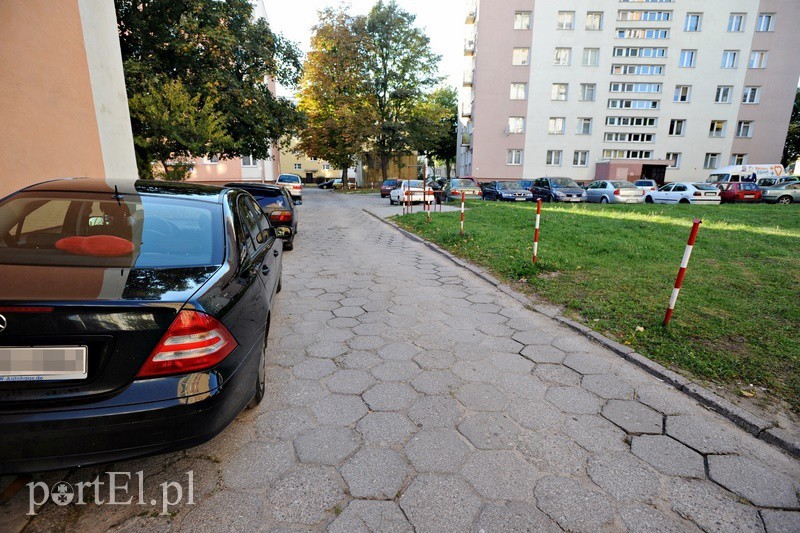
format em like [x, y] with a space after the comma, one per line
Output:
[666, 89]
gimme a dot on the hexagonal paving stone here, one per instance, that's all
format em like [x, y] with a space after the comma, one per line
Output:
[396, 371]
[533, 337]
[435, 359]
[327, 349]
[343, 322]
[668, 456]
[514, 516]
[476, 371]
[500, 475]
[437, 450]
[634, 417]
[436, 382]
[359, 360]
[439, 502]
[624, 476]
[325, 446]
[375, 473]
[389, 396]
[284, 423]
[348, 312]
[572, 342]
[481, 397]
[305, 496]
[313, 368]
[535, 414]
[523, 386]
[257, 464]
[339, 410]
[385, 429]
[573, 400]
[572, 505]
[435, 411]
[781, 521]
[712, 508]
[300, 392]
[370, 515]
[703, 434]
[398, 351]
[350, 381]
[665, 399]
[645, 519]
[543, 354]
[366, 342]
[489, 431]
[595, 434]
[588, 363]
[558, 374]
[607, 386]
[223, 511]
[753, 480]
[555, 454]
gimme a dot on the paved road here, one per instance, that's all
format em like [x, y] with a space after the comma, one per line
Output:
[407, 394]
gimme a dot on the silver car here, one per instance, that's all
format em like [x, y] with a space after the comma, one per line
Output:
[614, 192]
[785, 193]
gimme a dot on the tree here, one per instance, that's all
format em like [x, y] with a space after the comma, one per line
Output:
[333, 92]
[791, 150]
[399, 67]
[222, 61]
[433, 126]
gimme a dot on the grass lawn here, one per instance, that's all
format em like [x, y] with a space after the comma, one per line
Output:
[737, 321]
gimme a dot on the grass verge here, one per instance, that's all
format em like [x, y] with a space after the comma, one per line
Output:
[737, 321]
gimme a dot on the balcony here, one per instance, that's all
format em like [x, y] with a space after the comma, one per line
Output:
[466, 111]
[466, 139]
[469, 79]
[469, 47]
[472, 14]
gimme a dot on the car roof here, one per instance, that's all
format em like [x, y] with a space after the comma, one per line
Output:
[255, 186]
[96, 185]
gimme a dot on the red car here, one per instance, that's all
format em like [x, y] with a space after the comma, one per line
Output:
[387, 187]
[739, 192]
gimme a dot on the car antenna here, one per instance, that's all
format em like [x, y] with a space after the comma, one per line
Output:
[117, 196]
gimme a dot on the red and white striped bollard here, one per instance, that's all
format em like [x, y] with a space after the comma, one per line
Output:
[536, 231]
[462, 213]
[682, 271]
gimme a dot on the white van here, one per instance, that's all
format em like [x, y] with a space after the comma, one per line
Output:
[745, 173]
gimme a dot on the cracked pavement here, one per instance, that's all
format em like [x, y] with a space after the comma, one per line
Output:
[407, 394]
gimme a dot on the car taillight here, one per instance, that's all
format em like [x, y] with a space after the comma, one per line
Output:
[297, 186]
[194, 341]
[616, 192]
[697, 193]
[280, 216]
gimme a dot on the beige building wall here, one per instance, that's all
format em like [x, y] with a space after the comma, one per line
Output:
[62, 93]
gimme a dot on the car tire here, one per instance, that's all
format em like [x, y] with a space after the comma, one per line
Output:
[391, 202]
[648, 200]
[785, 200]
[288, 245]
[261, 376]
[684, 201]
[603, 200]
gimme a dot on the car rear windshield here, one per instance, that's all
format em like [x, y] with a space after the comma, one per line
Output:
[284, 178]
[704, 187]
[270, 201]
[462, 183]
[389, 183]
[94, 230]
[623, 184]
[563, 182]
[643, 183]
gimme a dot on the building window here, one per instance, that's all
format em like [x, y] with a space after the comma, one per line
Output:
[758, 59]
[588, 91]
[693, 22]
[553, 158]
[326, 166]
[563, 56]
[711, 161]
[683, 94]
[766, 22]
[298, 166]
[738, 159]
[248, 161]
[752, 95]
[675, 157]
[559, 91]
[744, 129]
[584, 126]
[730, 59]
[619, 103]
[556, 126]
[519, 91]
[717, 128]
[618, 87]
[677, 127]
[514, 157]
[637, 33]
[522, 20]
[723, 95]
[643, 122]
[516, 125]
[649, 16]
[594, 20]
[591, 57]
[522, 56]
[628, 154]
[638, 70]
[736, 22]
[688, 59]
[580, 158]
[566, 20]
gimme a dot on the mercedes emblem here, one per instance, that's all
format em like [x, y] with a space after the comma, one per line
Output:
[3, 323]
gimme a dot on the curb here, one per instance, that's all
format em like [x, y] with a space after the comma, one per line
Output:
[753, 424]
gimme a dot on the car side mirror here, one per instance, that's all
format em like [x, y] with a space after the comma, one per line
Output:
[282, 232]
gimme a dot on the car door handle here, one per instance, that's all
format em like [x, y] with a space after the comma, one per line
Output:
[275, 253]
[265, 270]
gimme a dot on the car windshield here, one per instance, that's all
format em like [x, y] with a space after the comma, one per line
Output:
[510, 185]
[704, 187]
[462, 183]
[643, 183]
[526, 184]
[390, 183]
[714, 178]
[623, 184]
[413, 183]
[91, 230]
[288, 178]
[563, 183]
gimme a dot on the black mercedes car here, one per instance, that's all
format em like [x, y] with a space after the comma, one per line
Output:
[134, 318]
[277, 203]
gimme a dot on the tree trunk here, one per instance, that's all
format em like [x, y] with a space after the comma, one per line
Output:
[384, 166]
[344, 179]
[447, 166]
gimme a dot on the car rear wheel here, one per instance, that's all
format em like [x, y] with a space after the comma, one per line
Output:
[684, 201]
[288, 245]
[648, 200]
[603, 200]
[261, 378]
[785, 200]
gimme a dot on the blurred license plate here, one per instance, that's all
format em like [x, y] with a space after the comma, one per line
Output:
[711, 194]
[519, 199]
[43, 363]
[749, 195]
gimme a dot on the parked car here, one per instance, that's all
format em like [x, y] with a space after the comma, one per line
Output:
[746, 173]
[455, 186]
[277, 203]
[293, 184]
[739, 192]
[646, 185]
[327, 184]
[387, 186]
[614, 192]
[136, 318]
[398, 194]
[770, 182]
[785, 193]
[337, 183]
[510, 191]
[684, 193]
[558, 190]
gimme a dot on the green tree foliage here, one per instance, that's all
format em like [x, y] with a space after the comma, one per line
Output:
[400, 66]
[791, 150]
[334, 94]
[433, 126]
[221, 60]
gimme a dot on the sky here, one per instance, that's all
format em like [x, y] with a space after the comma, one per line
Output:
[442, 21]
